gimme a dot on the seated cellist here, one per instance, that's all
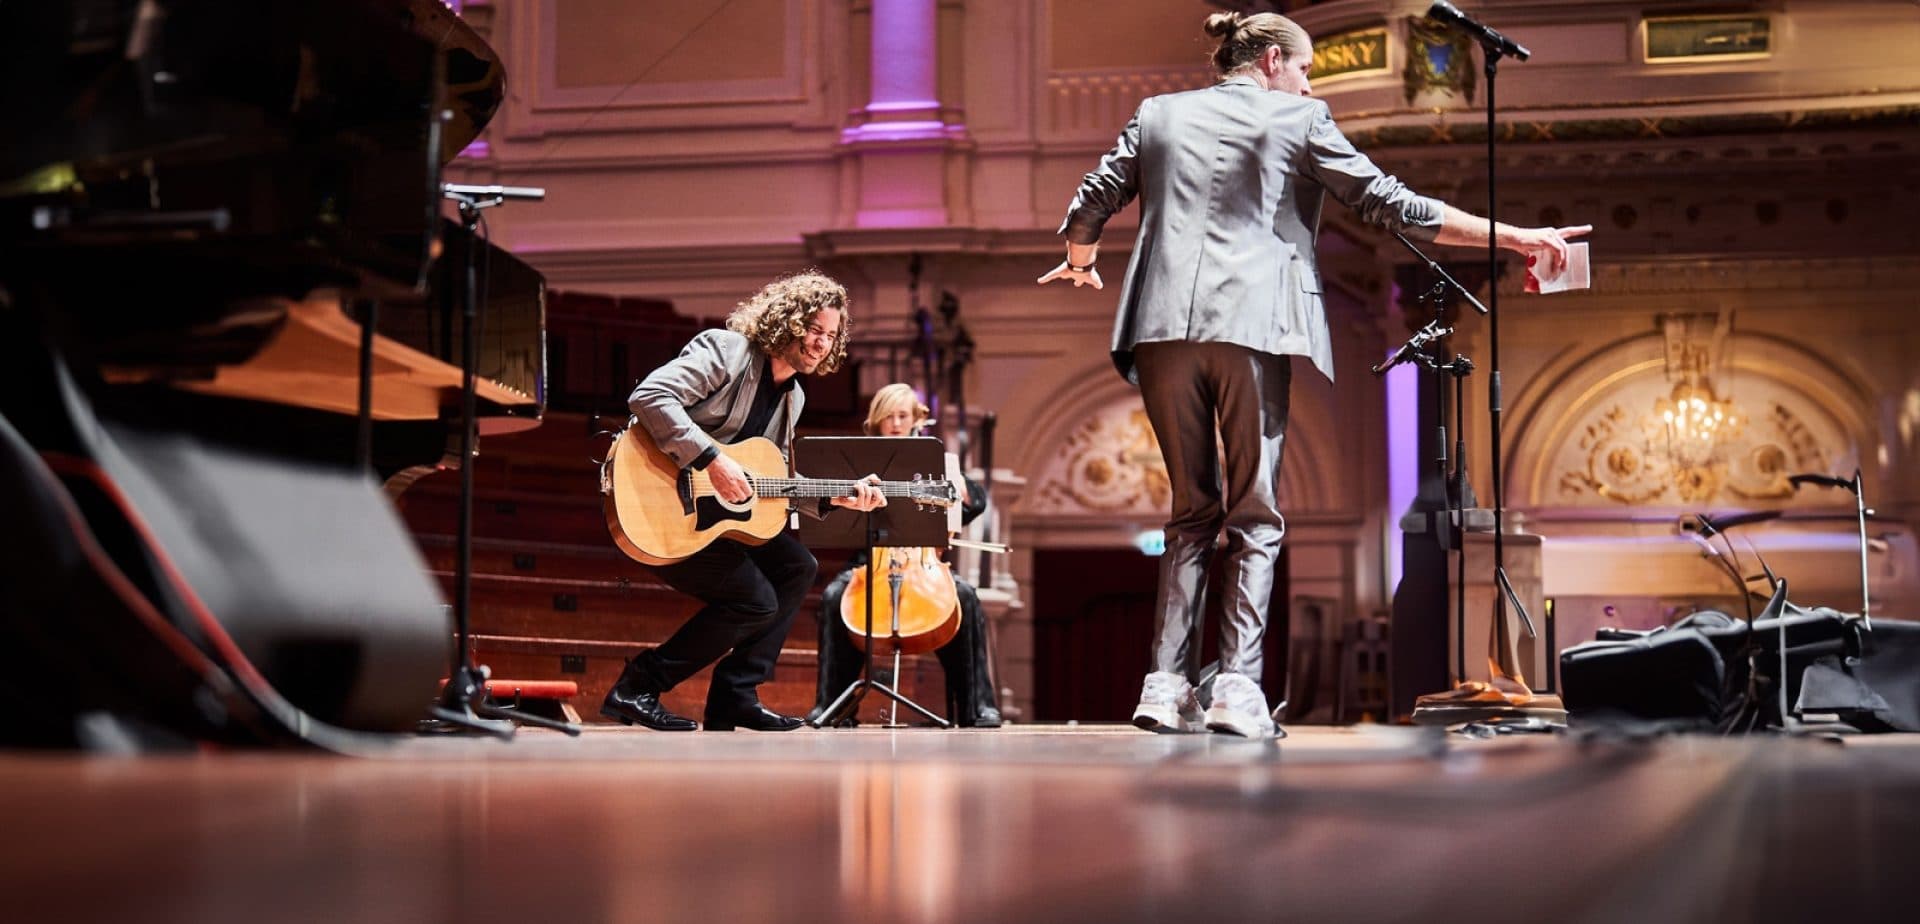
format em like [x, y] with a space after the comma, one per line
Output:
[971, 699]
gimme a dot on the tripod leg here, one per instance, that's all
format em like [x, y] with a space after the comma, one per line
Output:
[902, 699]
[849, 698]
[460, 707]
[840, 661]
[893, 712]
[525, 718]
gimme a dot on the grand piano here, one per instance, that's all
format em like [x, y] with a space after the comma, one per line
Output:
[200, 204]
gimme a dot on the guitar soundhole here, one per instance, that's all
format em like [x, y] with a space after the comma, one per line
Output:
[709, 511]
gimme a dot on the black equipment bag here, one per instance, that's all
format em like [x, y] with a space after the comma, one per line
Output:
[1876, 689]
[1671, 674]
[1712, 669]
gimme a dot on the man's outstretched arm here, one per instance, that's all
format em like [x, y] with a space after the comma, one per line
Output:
[1549, 245]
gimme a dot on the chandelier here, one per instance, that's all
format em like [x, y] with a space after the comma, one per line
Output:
[1699, 423]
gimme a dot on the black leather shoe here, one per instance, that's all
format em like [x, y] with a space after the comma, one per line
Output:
[754, 718]
[643, 709]
[987, 717]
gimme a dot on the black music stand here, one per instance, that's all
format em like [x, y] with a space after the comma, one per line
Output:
[902, 523]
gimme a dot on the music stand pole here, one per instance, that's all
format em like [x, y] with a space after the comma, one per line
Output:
[893, 599]
[363, 419]
[857, 691]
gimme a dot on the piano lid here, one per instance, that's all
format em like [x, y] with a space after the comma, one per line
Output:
[476, 83]
[300, 134]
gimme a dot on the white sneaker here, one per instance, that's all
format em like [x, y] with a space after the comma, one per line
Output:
[1239, 708]
[1167, 704]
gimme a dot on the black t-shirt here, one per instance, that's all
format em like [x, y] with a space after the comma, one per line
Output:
[766, 399]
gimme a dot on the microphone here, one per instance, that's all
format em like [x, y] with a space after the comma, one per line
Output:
[1827, 481]
[1413, 345]
[1495, 42]
[457, 190]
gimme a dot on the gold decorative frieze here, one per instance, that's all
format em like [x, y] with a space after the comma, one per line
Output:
[1688, 430]
[1111, 464]
[1694, 428]
[1620, 454]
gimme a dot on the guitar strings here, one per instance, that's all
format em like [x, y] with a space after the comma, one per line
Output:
[702, 486]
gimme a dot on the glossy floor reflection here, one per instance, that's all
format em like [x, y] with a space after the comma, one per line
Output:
[1019, 824]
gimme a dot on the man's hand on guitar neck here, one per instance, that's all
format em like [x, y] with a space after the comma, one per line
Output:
[867, 496]
[734, 485]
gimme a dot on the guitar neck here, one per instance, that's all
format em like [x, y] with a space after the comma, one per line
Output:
[826, 487]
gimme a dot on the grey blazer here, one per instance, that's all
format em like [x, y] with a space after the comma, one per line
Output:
[704, 396]
[1231, 180]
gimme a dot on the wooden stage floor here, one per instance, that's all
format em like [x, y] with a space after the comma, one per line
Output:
[1035, 823]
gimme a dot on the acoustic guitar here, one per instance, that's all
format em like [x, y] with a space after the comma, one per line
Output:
[660, 513]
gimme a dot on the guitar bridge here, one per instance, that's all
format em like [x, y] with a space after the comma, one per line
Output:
[683, 485]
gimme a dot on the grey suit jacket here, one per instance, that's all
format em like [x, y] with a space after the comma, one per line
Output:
[704, 396]
[1231, 180]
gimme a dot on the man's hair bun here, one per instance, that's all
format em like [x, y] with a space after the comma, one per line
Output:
[1222, 25]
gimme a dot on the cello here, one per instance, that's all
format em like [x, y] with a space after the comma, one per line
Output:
[928, 602]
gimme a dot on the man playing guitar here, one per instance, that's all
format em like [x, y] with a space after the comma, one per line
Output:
[727, 385]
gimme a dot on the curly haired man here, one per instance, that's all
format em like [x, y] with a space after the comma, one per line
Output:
[728, 385]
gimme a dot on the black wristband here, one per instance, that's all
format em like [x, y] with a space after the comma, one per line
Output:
[1081, 269]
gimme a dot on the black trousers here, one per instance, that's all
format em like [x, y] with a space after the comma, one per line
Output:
[970, 690]
[752, 593]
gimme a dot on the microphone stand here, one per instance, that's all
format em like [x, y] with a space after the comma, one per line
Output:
[463, 704]
[1453, 536]
[1493, 47]
[1492, 52]
[1424, 350]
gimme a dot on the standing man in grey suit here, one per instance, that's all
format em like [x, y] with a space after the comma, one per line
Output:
[1223, 287]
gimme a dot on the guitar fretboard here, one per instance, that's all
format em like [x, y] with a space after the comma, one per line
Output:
[825, 487]
[817, 487]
